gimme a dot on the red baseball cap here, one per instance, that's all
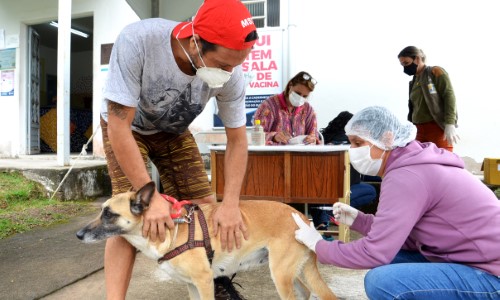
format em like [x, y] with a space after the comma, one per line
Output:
[222, 22]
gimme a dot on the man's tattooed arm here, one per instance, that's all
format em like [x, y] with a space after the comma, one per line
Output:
[118, 110]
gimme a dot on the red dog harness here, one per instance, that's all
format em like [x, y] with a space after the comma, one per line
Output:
[190, 219]
[176, 206]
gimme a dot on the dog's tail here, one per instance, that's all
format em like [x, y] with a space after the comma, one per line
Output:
[315, 282]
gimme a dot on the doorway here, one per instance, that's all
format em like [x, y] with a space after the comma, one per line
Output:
[81, 96]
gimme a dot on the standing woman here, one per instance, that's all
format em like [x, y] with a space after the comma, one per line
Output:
[289, 114]
[432, 105]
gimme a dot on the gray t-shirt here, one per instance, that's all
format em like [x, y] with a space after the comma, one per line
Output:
[143, 74]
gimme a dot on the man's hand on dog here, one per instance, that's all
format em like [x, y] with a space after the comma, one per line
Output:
[157, 218]
[228, 222]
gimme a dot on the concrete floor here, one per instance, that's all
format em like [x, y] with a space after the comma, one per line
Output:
[256, 284]
[50, 263]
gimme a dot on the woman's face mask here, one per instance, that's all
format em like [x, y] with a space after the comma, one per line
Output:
[410, 69]
[362, 161]
[296, 99]
[213, 77]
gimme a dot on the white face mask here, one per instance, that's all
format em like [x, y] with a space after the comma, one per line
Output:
[296, 99]
[363, 162]
[214, 77]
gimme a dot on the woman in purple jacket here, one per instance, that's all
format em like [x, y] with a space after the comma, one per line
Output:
[436, 233]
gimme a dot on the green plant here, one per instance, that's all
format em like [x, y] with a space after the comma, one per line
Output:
[24, 205]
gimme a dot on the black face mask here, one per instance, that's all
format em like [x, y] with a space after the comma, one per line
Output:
[410, 69]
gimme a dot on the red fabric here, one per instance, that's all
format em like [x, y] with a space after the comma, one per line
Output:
[431, 132]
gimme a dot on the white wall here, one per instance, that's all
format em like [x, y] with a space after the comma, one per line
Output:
[351, 48]
[11, 112]
[110, 17]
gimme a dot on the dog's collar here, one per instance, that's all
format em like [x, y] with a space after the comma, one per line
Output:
[191, 243]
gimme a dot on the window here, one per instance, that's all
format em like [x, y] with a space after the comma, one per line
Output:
[265, 13]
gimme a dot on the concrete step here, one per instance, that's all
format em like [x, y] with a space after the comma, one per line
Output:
[84, 178]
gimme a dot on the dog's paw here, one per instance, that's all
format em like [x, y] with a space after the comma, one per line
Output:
[162, 276]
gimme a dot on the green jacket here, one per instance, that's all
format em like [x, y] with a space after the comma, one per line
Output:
[432, 98]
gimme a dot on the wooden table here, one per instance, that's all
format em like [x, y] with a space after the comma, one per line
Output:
[291, 174]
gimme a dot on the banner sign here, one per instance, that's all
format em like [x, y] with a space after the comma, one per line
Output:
[263, 68]
[263, 71]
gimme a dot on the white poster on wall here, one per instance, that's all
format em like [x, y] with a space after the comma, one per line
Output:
[12, 41]
[263, 71]
[263, 67]
[7, 83]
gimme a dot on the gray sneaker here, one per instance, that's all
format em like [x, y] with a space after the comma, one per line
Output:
[225, 290]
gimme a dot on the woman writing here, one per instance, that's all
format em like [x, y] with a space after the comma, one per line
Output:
[289, 114]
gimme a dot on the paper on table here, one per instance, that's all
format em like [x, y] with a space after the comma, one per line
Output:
[298, 140]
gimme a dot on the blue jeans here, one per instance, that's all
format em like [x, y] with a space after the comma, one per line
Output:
[362, 194]
[411, 276]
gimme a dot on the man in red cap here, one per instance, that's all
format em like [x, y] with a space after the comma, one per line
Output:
[161, 76]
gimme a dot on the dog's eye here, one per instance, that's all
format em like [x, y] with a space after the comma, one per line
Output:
[107, 213]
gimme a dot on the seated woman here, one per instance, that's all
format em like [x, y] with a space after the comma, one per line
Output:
[361, 193]
[289, 114]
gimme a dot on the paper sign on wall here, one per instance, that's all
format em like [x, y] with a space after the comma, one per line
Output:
[263, 68]
[7, 83]
[12, 41]
[7, 59]
[263, 71]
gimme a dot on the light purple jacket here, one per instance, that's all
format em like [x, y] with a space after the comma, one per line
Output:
[428, 203]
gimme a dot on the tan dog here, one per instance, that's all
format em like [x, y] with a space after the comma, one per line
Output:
[293, 265]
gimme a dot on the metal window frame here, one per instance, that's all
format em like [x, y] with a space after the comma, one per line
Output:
[263, 17]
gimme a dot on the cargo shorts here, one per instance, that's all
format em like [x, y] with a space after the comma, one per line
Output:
[177, 158]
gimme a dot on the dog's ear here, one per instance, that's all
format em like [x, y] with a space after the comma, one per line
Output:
[142, 198]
